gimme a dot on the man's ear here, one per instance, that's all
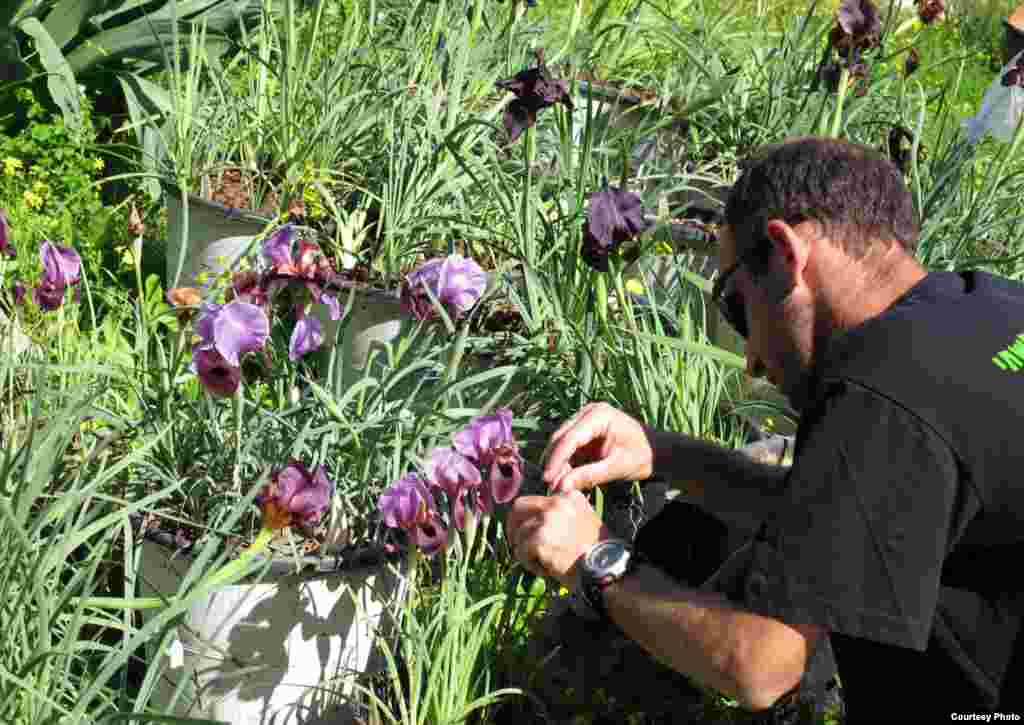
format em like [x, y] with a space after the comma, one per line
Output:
[788, 260]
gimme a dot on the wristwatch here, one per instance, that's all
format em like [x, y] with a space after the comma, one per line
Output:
[606, 562]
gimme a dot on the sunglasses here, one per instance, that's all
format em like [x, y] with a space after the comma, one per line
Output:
[731, 304]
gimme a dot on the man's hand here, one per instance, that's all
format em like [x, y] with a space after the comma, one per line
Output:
[548, 534]
[605, 444]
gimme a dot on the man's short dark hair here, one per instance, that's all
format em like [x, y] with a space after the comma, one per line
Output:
[857, 194]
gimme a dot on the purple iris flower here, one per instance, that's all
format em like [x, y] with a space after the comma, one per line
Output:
[489, 443]
[48, 297]
[232, 329]
[456, 281]
[407, 504]
[614, 216]
[218, 376]
[225, 333]
[6, 247]
[62, 268]
[535, 90]
[306, 337]
[307, 266]
[295, 496]
[414, 298]
[61, 265]
[450, 471]
[277, 249]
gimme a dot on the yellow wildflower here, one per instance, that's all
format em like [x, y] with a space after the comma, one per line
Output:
[98, 164]
[12, 165]
[33, 200]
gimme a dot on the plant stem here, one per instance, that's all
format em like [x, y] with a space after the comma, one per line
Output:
[837, 119]
[239, 406]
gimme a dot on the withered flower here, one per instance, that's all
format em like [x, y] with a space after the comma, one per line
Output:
[185, 300]
[930, 11]
[535, 90]
[135, 226]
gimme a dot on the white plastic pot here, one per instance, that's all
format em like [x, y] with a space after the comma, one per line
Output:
[375, 319]
[283, 651]
[217, 236]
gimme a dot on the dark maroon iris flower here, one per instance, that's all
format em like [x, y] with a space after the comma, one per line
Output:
[614, 216]
[901, 142]
[829, 74]
[535, 90]
[858, 27]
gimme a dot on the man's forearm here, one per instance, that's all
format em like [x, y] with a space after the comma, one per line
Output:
[727, 483]
[746, 656]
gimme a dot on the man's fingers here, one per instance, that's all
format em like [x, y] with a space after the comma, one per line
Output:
[522, 510]
[567, 426]
[583, 478]
[586, 431]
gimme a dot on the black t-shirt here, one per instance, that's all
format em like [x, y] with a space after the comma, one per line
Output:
[902, 526]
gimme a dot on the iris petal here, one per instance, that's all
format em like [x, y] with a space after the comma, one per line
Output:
[277, 248]
[217, 376]
[239, 327]
[306, 337]
[61, 265]
[5, 237]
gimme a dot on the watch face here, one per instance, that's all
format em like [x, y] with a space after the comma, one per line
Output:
[606, 555]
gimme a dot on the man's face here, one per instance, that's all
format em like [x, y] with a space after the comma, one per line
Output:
[780, 321]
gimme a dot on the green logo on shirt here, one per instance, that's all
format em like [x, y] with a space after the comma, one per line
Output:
[1012, 358]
